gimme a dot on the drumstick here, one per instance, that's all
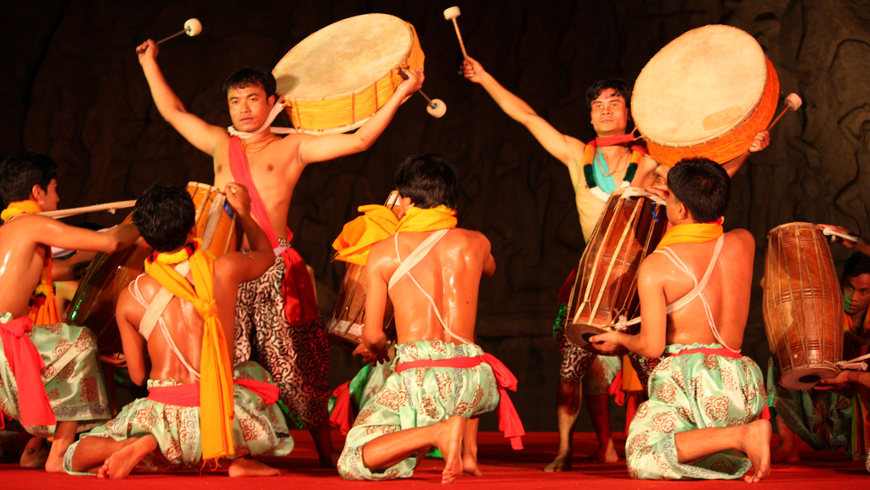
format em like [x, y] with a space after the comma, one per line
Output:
[451, 14]
[435, 107]
[192, 27]
[828, 231]
[109, 206]
[792, 101]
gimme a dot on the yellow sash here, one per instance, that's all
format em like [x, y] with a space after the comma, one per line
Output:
[43, 307]
[216, 377]
[429, 219]
[692, 233]
[358, 236]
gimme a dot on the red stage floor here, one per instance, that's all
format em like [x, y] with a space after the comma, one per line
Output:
[503, 469]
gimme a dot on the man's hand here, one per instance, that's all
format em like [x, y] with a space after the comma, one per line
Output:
[413, 81]
[367, 355]
[472, 70]
[607, 343]
[238, 198]
[761, 141]
[840, 382]
[147, 51]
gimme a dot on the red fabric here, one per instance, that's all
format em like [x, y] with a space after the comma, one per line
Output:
[615, 389]
[508, 419]
[564, 295]
[26, 363]
[622, 139]
[341, 417]
[299, 303]
[187, 395]
[721, 351]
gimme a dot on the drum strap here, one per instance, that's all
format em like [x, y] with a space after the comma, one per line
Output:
[413, 259]
[698, 290]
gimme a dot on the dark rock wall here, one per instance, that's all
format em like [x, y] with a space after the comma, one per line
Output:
[72, 87]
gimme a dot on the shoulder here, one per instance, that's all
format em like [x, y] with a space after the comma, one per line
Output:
[740, 238]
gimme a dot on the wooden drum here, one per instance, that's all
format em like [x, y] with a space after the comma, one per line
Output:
[94, 301]
[705, 94]
[336, 78]
[803, 305]
[604, 295]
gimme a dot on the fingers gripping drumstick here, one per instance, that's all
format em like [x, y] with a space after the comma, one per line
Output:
[192, 27]
[792, 101]
[451, 14]
[435, 107]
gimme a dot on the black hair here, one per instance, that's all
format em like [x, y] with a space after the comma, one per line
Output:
[429, 180]
[21, 171]
[703, 186]
[620, 86]
[856, 264]
[250, 76]
[164, 215]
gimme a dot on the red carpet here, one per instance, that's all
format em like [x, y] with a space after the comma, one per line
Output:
[502, 468]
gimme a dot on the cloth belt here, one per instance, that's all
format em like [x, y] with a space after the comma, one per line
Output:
[26, 363]
[187, 395]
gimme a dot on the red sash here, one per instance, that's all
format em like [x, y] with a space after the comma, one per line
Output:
[26, 363]
[508, 420]
[299, 303]
[187, 395]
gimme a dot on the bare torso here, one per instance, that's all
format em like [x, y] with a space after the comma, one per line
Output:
[21, 263]
[450, 274]
[727, 292]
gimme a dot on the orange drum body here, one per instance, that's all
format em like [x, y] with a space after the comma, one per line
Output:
[94, 302]
[705, 94]
[348, 316]
[803, 305]
[605, 291]
[336, 78]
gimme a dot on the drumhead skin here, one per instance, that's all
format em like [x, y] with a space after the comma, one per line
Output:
[699, 86]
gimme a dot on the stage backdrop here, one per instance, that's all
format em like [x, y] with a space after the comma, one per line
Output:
[72, 87]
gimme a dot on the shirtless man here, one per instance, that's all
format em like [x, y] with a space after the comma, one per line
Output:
[189, 349]
[55, 387]
[435, 307]
[705, 398]
[290, 341]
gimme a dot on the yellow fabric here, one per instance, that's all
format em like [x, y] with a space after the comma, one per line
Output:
[216, 378]
[630, 381]
[692, 233]
[358, 236]
[20, 207]
[429, 219]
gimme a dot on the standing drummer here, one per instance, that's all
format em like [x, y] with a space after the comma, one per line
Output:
[706, 400]
[279, 310]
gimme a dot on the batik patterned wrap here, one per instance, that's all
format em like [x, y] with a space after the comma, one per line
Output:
[258, 428]
[417, 398]
[693, 391]
[72, 378]
[296, 354]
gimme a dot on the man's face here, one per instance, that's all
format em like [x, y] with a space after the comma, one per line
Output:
[856, 293]
[49, 197]
[249, 107]
[609, 114]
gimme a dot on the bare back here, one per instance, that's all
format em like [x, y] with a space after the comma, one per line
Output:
[450, 274]
[727, 291]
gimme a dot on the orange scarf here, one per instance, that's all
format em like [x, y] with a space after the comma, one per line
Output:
[43, 307]
[429, 219]
[692, 233]
[358, 236]
[216, 377]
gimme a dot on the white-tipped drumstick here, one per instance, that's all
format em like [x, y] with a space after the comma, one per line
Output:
[192, 27]
[109, 206]
[792, 101]
[451, 14]
[435, 107]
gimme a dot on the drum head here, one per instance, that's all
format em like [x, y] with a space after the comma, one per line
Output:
[579, 333]
[343, 57]
[699, 86]
[805, 378]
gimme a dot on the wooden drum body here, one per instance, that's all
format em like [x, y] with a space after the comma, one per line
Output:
[336, 78]
[93, 304]
[605, 290]
[803, 305]
[705, 94]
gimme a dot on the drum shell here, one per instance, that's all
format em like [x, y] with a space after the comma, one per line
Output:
[803, 305]
[605, 288]
[93, 304]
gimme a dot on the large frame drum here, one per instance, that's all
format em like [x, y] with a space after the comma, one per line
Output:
[705, 94]
[605, 290]
[803, 305]
[336, 78]
[93, 304]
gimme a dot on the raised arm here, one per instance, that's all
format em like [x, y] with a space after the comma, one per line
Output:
[251, 265]
[322, 148]
[559, 145]
[200, 134]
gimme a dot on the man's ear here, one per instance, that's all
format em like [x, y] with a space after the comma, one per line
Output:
[271, 100]
[37, 193]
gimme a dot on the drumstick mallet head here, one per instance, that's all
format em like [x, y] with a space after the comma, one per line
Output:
[435, 107]
[451, 13]
[793, 102]
[192, 27]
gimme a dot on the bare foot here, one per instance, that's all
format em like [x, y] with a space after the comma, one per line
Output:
[561, 463]
[606, 454]
[469, 465]
[756, 445]
[122, 461]
[785, 454]
[449, 442]
[34, 454]
[251, 467]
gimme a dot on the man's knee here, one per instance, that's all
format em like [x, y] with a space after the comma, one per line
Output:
[568, 394]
